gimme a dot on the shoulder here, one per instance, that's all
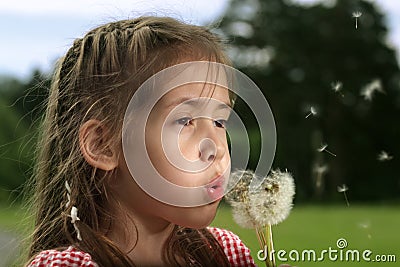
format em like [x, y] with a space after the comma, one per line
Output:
[236, 251]
[64, 258]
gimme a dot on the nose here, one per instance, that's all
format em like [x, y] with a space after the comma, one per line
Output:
[207, 150]
[211, 147]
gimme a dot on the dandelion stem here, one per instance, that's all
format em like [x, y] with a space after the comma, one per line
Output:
[270, 246]
[267, 244]
[260, 237]
[263, 246]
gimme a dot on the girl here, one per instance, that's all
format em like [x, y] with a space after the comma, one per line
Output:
[89, 210]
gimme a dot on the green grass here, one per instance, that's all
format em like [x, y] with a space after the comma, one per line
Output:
[319, 227]
[12, 217]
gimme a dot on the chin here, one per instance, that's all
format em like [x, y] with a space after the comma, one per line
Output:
[201, 217]
[198, 224]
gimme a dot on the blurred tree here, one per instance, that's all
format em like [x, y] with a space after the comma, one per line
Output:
[297, 54]
[21, 105]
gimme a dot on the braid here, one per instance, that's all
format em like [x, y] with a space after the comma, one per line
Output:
[70, 59]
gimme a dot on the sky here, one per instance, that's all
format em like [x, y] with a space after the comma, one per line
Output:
[35, 33]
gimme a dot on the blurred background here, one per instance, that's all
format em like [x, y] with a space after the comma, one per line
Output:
[331, 77]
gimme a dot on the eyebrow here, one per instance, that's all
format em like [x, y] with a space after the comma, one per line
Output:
[190, 101]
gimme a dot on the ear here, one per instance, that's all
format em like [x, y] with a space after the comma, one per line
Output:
[92, 139]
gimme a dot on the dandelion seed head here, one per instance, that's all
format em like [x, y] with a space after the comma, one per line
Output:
[342, 188]
[241, 215]
[269, 203]
[272, 202]
[238, 198]
[240, 191]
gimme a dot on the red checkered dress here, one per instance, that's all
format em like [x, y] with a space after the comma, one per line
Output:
[238, 254]
[71, 257]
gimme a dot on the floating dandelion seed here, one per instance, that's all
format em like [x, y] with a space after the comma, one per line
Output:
[323, 148]
[367, 94]
[337, 87]
[356, 15]
[366, 226]
[369, 89]
[384, 156]
[313, 112]
[268, 204]
[320, 170]
[343, 189]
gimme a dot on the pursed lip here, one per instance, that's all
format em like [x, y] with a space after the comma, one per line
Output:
[217, 181]
[215, 188]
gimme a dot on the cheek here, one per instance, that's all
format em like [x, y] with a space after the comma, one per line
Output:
[188, 149]
[164, 157]
[135, 199]
[169, 150]
[154, 147]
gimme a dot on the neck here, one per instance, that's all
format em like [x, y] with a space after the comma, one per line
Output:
[141, 236]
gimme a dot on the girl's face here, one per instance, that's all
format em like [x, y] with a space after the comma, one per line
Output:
[187, 144]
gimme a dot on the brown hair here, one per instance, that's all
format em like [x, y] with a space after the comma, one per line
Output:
[96, 79]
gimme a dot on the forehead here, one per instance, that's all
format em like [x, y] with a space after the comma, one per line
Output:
[193, 91]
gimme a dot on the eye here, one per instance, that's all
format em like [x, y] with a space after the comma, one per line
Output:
[184, 121]
[220, 123]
